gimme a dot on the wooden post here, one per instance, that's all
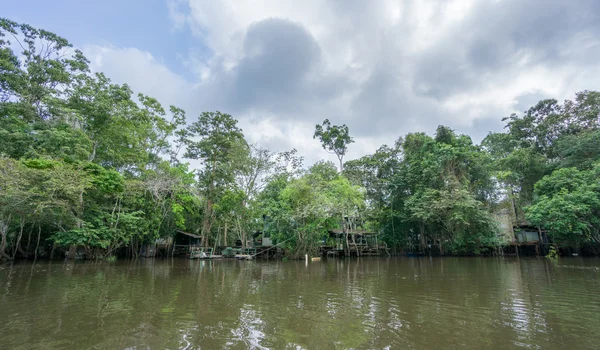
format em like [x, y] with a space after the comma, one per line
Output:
[71, 252]
[355, 245]
[346, 246]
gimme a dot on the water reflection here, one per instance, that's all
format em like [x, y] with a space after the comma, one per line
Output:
[366, 303]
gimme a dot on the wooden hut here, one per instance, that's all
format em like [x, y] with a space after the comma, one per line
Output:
[354, 243]
[528, 236]
[188, 244]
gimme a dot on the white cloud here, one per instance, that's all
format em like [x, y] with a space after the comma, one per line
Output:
[142, 72]
[385, 67]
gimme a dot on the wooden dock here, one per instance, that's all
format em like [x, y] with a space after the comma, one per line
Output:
[243, 257]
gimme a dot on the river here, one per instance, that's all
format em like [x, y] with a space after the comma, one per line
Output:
[368, 303]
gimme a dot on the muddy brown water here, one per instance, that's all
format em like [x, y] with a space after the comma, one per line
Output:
[368, 303]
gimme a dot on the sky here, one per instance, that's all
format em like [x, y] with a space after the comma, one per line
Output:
[383, 67]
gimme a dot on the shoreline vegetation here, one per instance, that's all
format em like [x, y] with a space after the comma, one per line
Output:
[86, 164]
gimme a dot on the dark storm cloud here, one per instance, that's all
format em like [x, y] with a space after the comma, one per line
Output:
[278, 55]
[273, 75]
[279, 73]
[391, 89]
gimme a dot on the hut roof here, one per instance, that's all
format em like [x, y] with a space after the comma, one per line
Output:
[189, 234]
[353, 232]
[528, 227]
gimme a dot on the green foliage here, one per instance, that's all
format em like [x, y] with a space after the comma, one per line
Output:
[81, 158]
[302, 210]
[548, 136]
[579, 150]
[567, 204]
[439, 194]
[216, 140]
[334, 138]
[86, 163]
[219, 140]
[552, 253]
[103, 234]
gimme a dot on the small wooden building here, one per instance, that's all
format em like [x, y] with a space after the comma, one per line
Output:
[530, 238]
[354, 243]
[527, 234]
[187, 244]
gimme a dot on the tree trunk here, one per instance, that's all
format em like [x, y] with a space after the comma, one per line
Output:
[422, 235]
[93, 154]
[209, 206]
[52, 251]
[240, 232]
[513, 205]
[225, 235]
[20, 246]
[29, 239]
[345, 233]
[3, 234]
[214, 251]
[18, 243]
[206, 222]
[243, 232]
[355, 246]
[23, 253]
[3, 255]
[38, 242]
[72, 252]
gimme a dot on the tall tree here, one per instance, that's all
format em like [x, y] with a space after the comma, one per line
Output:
[217, 141]
[334, 139]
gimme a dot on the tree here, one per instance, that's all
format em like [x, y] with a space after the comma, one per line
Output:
[33, 86]
[546, 137]
[375, 174]
[42, 192]
[580, 150]
[86, 163]
[334, 139]
[567, 204]
[302, 210]
[220, 144]
[86, 155]
[34, 81]
[441, 188]
[254, 170]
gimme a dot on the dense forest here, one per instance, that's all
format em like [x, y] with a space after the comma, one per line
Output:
[86, 163]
